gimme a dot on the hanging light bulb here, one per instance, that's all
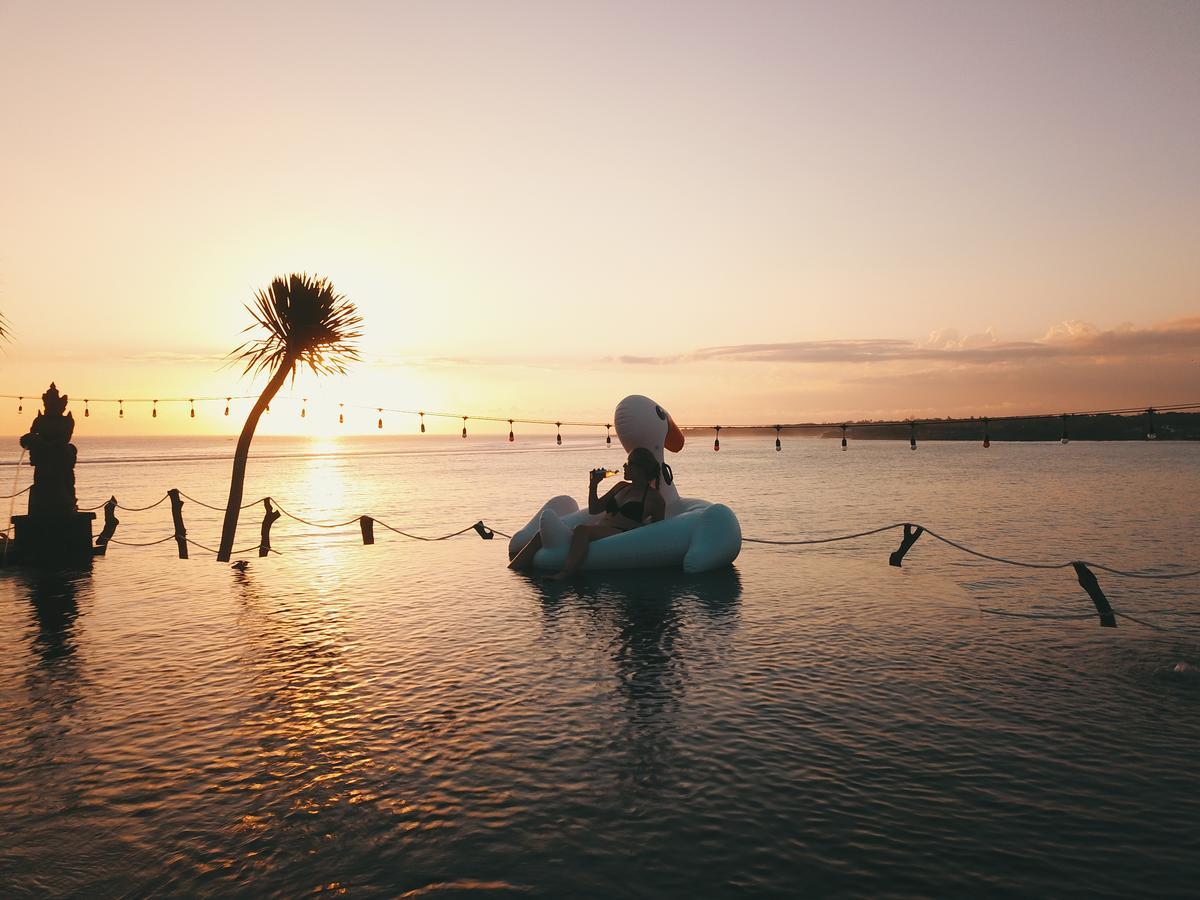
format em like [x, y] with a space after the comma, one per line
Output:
[1065, 438]
[843, 437]
[778, 445]
[608, 435]
[558, 435]
[464, 426]
[341, 414]
[717, 439]
[227, 399]
[154, 410]
[86, 413]
[193, 407]
[987, 441]
[304, 408]
[379, 410]
[1151, 434]
[422, 415]
[912, 435]
[511, 437]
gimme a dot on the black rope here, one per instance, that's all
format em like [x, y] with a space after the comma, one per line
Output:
[417, 537]
[140, 508]
[219, 508]
[1019, 615]
[314, 524]
[243, 550]
[978, 553]
[999, 559]
[147, 544]
[829, 540]
[779, 542]
[1156, 575]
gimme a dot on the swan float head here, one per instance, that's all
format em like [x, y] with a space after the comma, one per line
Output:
[640, 422]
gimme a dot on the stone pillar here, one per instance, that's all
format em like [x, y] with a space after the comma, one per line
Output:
[54, 533]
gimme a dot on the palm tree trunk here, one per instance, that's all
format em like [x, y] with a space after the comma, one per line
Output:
[238, 479]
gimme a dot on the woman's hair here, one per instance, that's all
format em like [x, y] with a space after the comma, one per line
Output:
[644, 460]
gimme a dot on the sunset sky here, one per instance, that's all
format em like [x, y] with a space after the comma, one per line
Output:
[753, 212]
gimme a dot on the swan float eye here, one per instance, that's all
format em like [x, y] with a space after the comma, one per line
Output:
[661, 414]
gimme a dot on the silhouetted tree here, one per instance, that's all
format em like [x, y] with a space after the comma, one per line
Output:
[307, 324]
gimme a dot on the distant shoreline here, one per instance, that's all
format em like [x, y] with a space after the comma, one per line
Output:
[1171, 426]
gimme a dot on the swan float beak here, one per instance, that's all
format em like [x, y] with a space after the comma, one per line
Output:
[674, 439]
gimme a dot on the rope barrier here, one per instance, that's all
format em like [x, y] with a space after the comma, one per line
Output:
[749, 540]
[1155, 575]
[160, 500]
[1018, 615]
[417, 537]
[912, 532]
[17, 494]
[999, 559]
[313, 524]
[147, 544]
[211, 550]
[1153, 627]
[220, 509]
[978, 553]
[829, 540]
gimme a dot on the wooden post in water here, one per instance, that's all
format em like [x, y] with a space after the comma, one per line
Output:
[1088, 582]
[110, 526]
[367, 524]
[269, 517]
[177, 516]
[911, 533]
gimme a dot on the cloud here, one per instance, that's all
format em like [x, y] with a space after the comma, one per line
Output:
[169, 356]
[1074, 340]
[463, 362]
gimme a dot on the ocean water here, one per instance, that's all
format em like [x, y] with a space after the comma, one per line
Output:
[412, 719]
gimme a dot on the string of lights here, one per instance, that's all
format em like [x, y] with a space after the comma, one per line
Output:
[843, 426]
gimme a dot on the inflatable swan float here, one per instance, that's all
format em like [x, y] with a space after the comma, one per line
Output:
[695, 534]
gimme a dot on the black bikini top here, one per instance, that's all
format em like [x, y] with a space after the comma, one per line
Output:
[634, 509]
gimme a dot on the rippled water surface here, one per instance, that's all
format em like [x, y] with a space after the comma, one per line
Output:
[413, 719]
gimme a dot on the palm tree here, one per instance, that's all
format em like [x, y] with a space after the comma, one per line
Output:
[308, 324]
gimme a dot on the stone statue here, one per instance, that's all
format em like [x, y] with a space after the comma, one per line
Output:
[52, 456]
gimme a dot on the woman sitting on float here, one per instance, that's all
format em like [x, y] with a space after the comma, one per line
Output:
[630, 504]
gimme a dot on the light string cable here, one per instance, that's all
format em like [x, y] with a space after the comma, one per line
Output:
[777, 427]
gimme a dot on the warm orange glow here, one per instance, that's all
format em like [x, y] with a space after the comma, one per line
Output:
[531, 230]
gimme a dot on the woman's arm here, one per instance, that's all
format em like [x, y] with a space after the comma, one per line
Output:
[596, 504]
[657, 508]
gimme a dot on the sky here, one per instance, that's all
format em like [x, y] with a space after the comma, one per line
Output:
[753, 212]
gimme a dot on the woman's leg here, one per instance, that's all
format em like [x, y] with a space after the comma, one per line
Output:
[581, 538]
[524, 559]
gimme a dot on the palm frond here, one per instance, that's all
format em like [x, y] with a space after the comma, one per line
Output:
[306, 322]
